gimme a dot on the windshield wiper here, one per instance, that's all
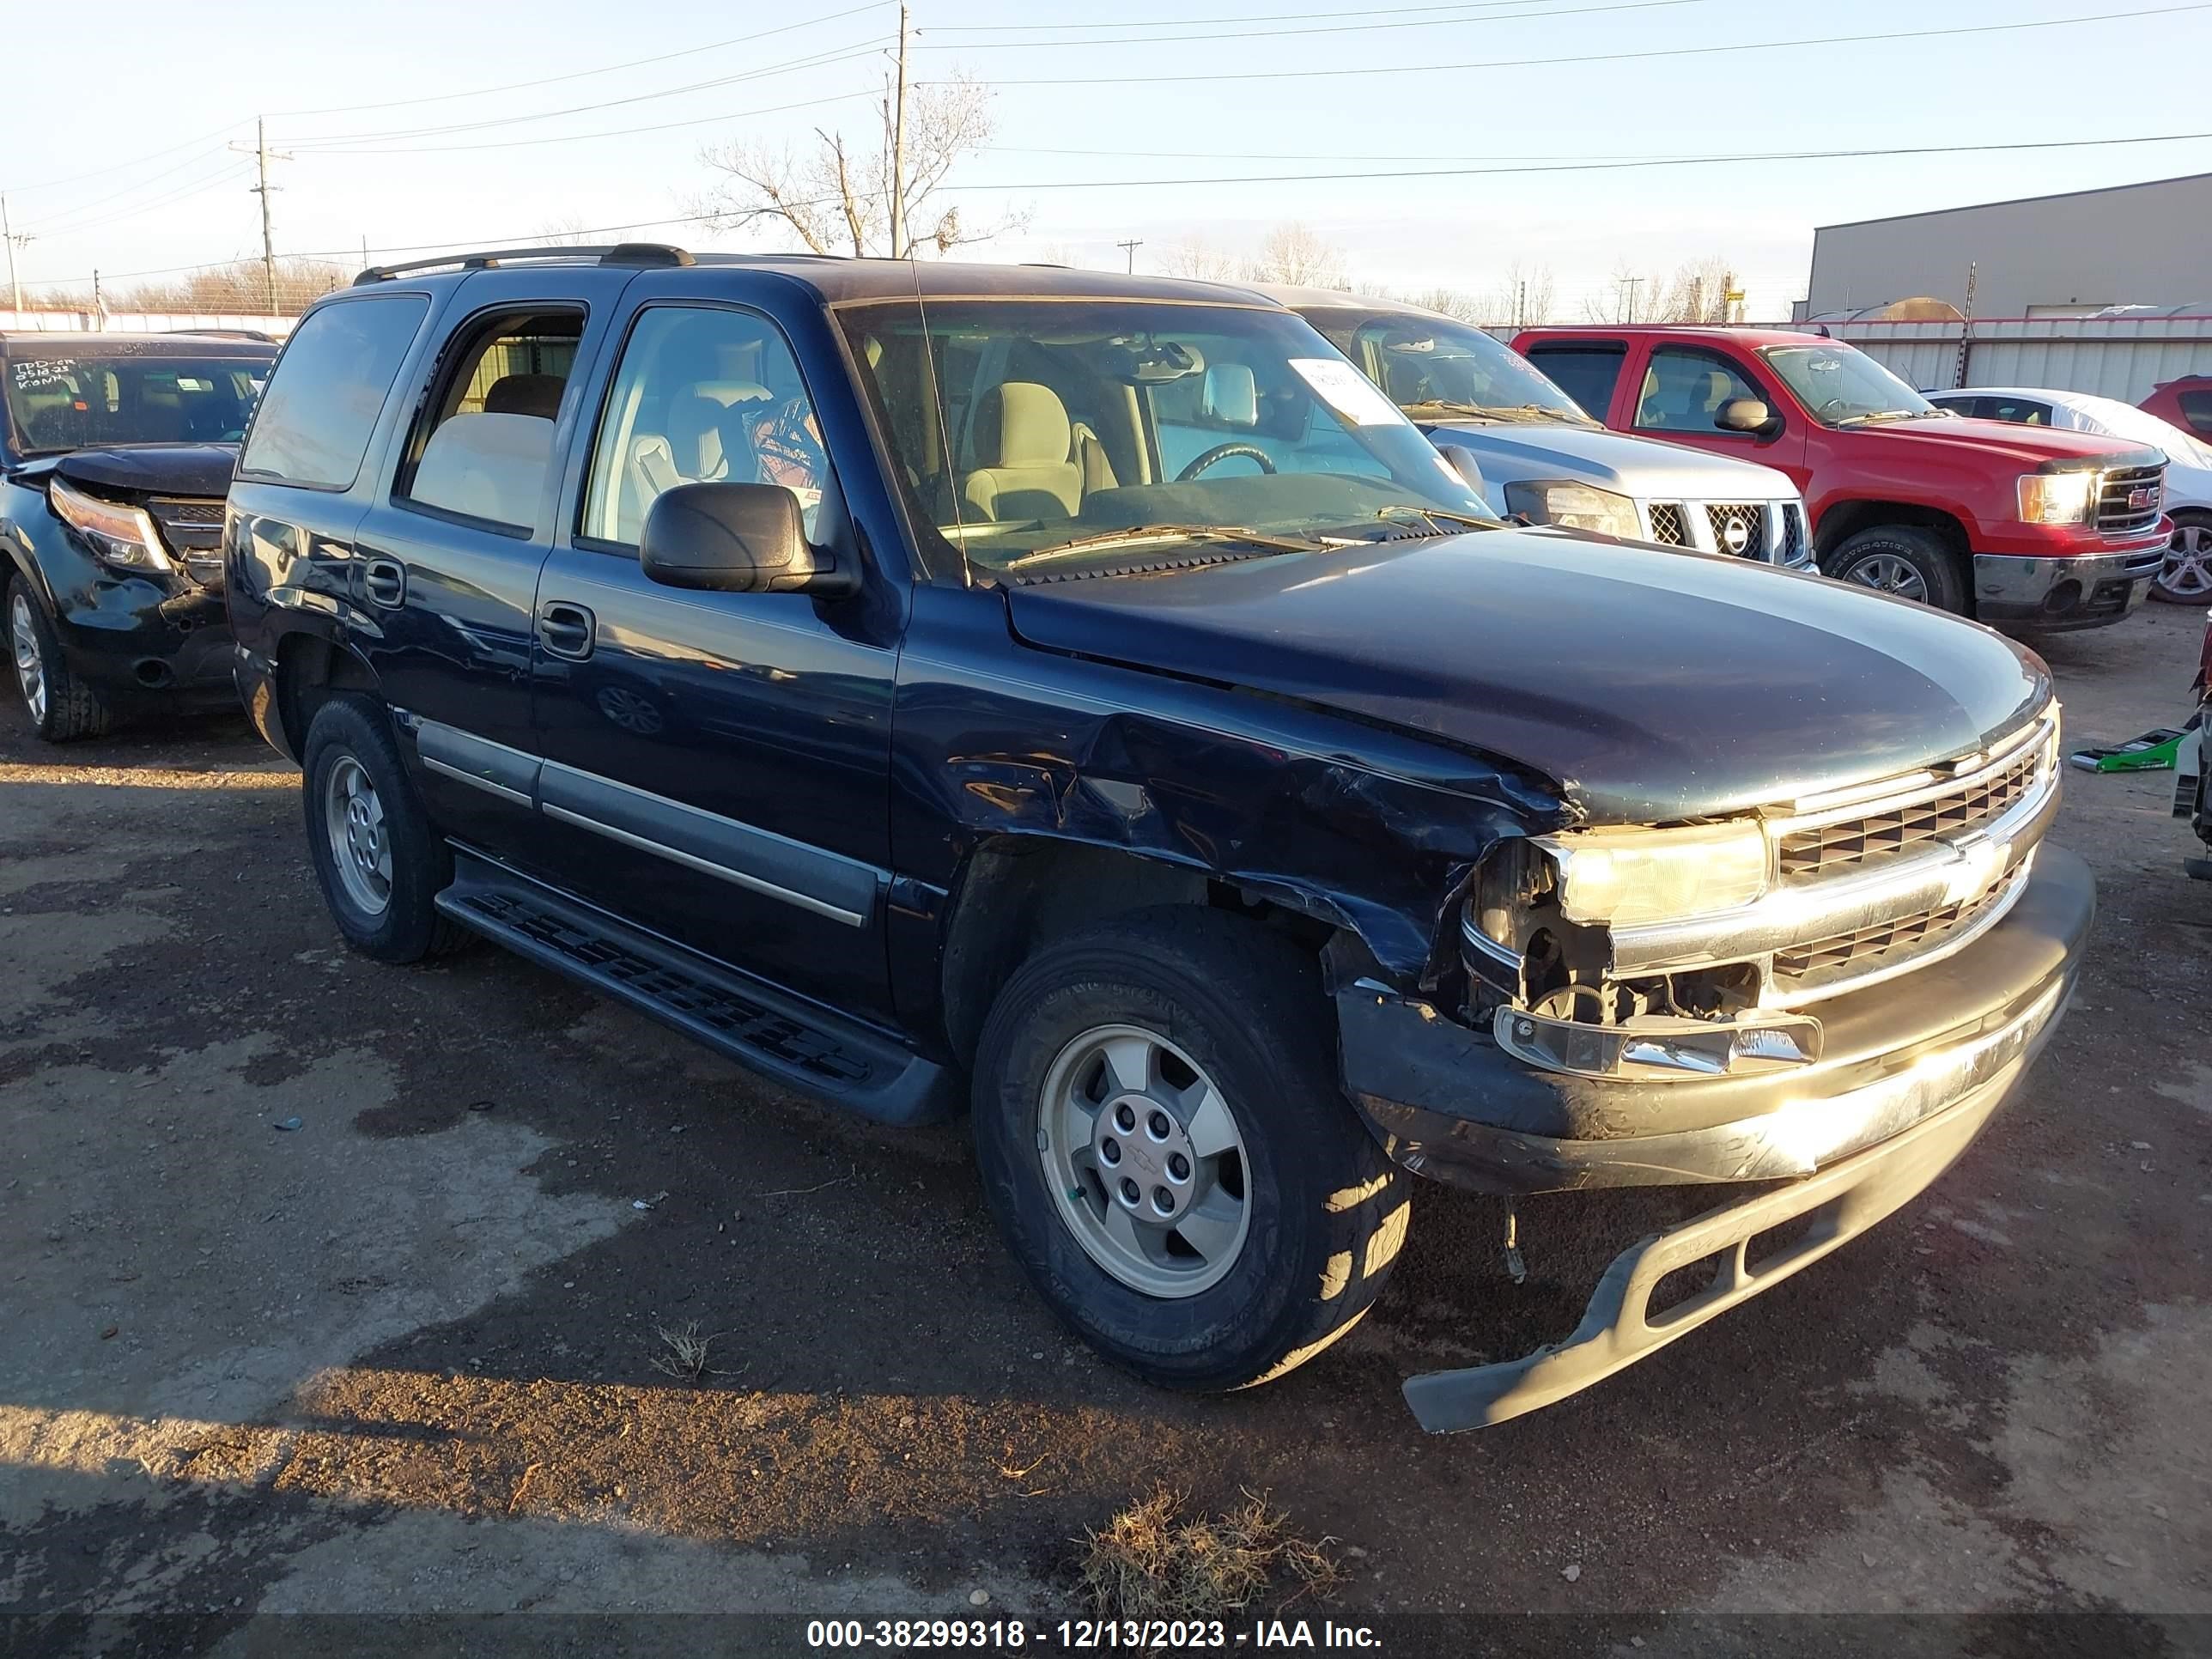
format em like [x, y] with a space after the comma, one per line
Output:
[1151, 533]
[1438, 515]
[1873, 417]
[1440, 407]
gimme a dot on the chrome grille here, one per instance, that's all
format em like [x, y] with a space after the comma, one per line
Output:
[1793, 533]
[1981, 801]
[2130, 498]
[1865, 950]
[1739, 528]
[1666, 525]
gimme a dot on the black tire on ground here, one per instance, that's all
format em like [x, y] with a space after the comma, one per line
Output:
[1902, 559]
[73, 710]
[2187, 577]
[1327, 1210]
[409, 926]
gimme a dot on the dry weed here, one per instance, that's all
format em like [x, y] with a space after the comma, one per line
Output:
[1154, 1561]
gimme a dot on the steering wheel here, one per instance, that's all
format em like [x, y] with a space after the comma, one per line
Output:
[1834, 405]
[1221, 452]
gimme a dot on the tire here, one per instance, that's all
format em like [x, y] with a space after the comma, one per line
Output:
[62, 708]
[2186, 577]
[1325, 1212]
[351, 758]
[1903, 560]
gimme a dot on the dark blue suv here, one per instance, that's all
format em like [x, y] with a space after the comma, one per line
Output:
[1086, 699]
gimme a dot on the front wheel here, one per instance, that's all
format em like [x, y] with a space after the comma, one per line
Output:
[62, 707]
[2186, 577]
[381, 862]
[1903, 561]
[1165, 1147]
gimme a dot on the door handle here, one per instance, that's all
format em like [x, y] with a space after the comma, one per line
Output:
[385, 581]
[566, 630]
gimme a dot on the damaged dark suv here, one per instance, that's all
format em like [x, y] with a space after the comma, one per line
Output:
[1087, 701]
[115, 454]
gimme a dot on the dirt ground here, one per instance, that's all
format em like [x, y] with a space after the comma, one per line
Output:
[400, 1358]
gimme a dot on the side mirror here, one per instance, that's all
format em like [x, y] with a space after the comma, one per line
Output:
[1461, 459]
[1745, 414]
[735, 538]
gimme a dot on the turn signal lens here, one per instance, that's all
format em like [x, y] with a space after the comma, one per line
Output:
[1627, 876]
[2057, 497]
[118, 534]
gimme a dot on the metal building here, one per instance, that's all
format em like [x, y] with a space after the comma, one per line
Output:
[2042, 256]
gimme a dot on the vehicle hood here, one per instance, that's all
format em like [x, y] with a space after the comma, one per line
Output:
[1651, 685]
[147, 469]
[1633, 466]
[2029, 446]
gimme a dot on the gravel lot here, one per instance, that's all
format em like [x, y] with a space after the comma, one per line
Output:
[400, 1358]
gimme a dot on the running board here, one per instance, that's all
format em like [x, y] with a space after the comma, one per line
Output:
[766, 1031]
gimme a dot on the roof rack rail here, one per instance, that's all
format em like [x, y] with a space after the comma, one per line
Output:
[659, 256]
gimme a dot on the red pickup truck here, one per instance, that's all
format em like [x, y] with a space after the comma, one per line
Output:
[2021, 526]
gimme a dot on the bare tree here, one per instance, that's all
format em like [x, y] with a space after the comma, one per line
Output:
[1452, 301]
[1524, 299]
[1196, 258]
[1628, 296]
[835, 196]
[1703, 291]
[567, 231]
[240, 289]
[1297, 253]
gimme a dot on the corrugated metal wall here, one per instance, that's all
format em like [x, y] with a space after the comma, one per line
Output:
[2122, 357]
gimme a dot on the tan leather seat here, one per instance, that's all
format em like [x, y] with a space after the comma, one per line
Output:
[1024, 428]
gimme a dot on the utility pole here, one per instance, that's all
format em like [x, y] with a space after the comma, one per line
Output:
[262, 155]
[8, 235]
[900, 247]
[1629, 283]
[1521, 303]
[1130, 248]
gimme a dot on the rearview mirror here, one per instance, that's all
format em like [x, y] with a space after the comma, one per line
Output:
[1744, 415]
[735, 538]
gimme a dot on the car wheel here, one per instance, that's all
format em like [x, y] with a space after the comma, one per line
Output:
[1165, 1147]
[1903, 561]
[62, 707]
[380, 863]
[2186, 577]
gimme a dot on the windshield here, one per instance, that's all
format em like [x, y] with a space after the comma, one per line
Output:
[1149, 433]
[1840, 385]
[59, 398]
[1433, 367]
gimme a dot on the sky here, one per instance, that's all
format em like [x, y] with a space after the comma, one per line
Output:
[1173, 123]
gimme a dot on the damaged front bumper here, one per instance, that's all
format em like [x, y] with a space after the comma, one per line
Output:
[1909, 1072]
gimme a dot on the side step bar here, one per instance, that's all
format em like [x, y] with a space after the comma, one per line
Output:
[781, 1037]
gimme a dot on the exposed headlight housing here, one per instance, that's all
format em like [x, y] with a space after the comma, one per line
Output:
[1625, 877]
[2057, 497]
[118, 535]
[1575, 506]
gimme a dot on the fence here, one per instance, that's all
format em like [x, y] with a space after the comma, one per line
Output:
[141, 322]
[2122, 357]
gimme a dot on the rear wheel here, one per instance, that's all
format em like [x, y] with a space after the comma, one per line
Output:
[62, 707]
[380, 863]
[1903, 561]
[2186, 577]
[1164, 1145]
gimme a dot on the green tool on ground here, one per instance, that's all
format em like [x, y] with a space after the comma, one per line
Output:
[2153, 752]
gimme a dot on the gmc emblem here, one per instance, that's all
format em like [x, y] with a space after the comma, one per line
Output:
[2142, 498]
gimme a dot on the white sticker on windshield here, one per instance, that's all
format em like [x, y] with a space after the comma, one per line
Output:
[1346, 391]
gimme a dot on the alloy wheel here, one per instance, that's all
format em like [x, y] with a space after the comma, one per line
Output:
[2187, 572]
[1145, 1161]
[361, 847]
[30, 661]
[1886, 573]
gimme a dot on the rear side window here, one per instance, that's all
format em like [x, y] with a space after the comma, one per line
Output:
[316, 418]
[485, 445]
[1584, 373]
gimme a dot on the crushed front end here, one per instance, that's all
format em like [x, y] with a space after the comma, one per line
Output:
[1832, 995]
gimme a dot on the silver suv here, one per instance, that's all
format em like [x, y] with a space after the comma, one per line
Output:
[1541, 457]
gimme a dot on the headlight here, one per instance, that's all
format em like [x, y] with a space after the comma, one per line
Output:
[1576, 506]
[1627, 876]
[2057, 497]
[119, 535]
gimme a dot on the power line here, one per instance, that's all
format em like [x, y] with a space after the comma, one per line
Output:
[117, 166]
[615, 132]
[1584, 58]
[1265, 17]
[229, 173]
[603, 68]
[1330, 28]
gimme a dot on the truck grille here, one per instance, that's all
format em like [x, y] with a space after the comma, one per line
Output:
[1666, 525]
[1739, 528]
[1793, 533]
[2130, 498]
[192, 527]
[1865, 950]
[1980, 801]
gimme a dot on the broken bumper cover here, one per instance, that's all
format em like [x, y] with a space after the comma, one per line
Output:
[1913, 1069]
[2054, 594]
